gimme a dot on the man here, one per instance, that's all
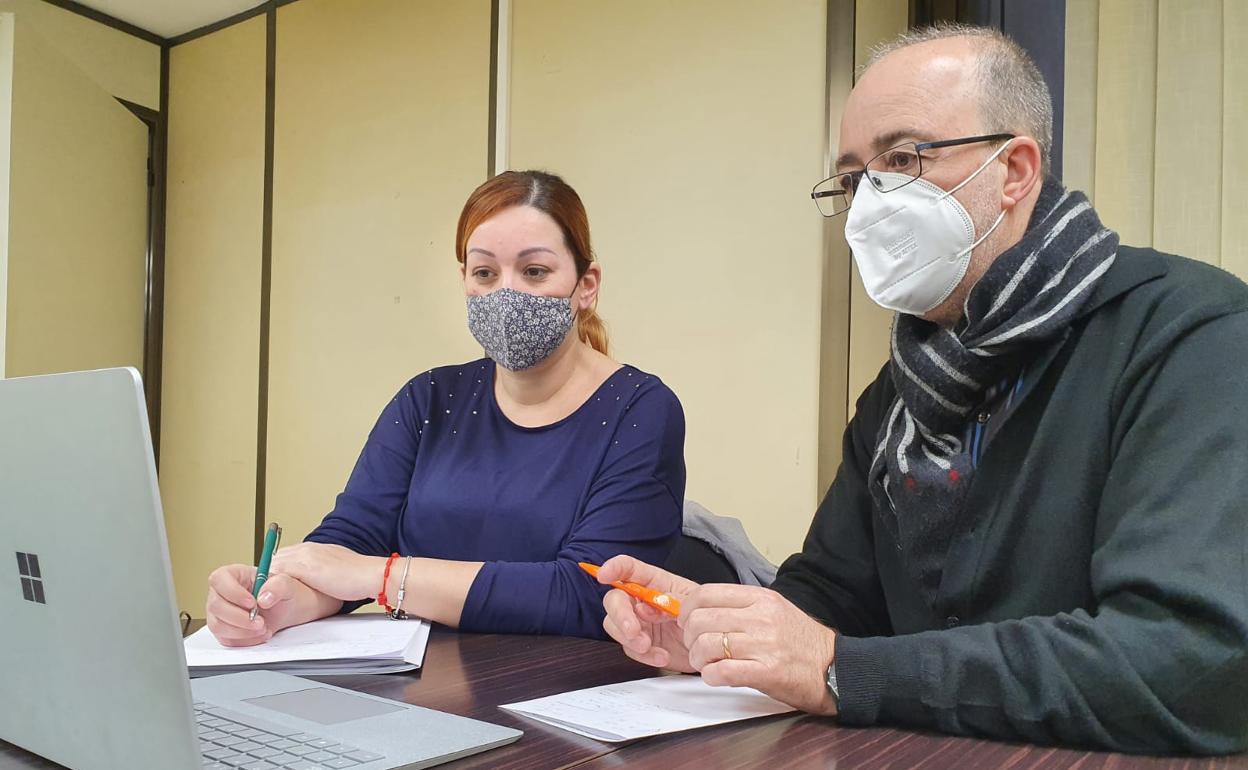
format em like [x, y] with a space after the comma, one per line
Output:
[1038, 529]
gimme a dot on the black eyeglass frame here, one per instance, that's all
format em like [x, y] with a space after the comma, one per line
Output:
[919, 147]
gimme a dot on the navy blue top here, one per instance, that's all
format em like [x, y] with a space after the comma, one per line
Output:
[445, 475]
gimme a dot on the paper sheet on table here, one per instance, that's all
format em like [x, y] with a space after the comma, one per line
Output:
[343, 643]
[664, 704]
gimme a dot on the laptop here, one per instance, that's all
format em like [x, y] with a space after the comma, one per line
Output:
[91, 656]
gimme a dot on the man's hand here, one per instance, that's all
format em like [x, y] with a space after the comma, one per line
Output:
[746, 636]
[647, 635]
[333, 570]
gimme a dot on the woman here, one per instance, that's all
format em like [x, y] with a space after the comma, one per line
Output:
[496, 476]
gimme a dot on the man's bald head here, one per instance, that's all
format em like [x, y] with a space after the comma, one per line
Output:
[1008, 88]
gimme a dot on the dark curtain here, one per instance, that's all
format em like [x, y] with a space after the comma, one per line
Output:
[1039, 26]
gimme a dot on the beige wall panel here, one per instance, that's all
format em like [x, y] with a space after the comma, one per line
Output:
[870, 328]
[1079, 122]
[877, 21]
[120, 63]
[1234, 131]
[381, 133]
[7, 25]
[78, 219]
[212, 303]
[834, 346]
[1187, 204]
[1125, 125]
[693, 131]
[837, 275]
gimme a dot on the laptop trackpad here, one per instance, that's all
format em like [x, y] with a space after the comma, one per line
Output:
[323, 705]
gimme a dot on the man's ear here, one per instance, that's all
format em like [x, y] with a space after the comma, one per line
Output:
[1024, 170]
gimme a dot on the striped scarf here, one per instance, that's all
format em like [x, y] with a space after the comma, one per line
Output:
[921, 469]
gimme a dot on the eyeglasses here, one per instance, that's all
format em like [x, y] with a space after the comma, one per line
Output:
[892, 169]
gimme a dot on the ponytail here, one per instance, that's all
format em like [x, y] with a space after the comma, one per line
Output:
[592, 330]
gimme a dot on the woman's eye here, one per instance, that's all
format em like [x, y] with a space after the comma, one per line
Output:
[535, 272]
[481, 274]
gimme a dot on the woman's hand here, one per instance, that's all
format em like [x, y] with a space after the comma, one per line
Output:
[283, 601]
[334, 570]
[647, 635]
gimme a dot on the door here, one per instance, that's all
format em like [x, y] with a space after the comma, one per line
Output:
[76, 216]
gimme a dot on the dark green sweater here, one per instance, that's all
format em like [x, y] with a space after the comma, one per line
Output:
[1096, 588]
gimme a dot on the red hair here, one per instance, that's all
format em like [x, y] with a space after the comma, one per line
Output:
[554, 197]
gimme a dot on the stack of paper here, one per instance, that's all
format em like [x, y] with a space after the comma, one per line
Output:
[342, 644]
[665, 704]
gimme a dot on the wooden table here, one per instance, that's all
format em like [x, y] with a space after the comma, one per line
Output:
[471, 674]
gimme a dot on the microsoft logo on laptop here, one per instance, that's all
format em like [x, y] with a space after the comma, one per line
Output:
[32, 581]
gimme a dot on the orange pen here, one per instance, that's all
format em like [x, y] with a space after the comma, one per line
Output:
[656, 599]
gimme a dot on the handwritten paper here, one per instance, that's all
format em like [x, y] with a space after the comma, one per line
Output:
[351, 642]
[664, 704]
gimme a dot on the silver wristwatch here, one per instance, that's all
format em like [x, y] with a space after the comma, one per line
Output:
[831, 679]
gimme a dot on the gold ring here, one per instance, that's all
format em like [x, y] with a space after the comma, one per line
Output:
[723, 638]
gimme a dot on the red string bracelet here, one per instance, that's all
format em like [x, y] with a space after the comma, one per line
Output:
[382, 599]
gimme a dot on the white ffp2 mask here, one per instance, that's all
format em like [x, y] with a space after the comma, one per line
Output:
[913, 244]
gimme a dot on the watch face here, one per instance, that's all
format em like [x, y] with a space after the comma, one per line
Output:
[836, 693]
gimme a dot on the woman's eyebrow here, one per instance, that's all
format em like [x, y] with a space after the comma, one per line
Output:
[535, 250]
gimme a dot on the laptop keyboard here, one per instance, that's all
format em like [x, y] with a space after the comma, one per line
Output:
[229, 741]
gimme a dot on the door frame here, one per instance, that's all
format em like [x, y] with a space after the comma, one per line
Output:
[154, 291]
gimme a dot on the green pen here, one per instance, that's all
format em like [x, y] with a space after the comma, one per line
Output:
[271, 539]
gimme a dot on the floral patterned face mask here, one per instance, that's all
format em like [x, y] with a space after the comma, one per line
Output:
[519, 330]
